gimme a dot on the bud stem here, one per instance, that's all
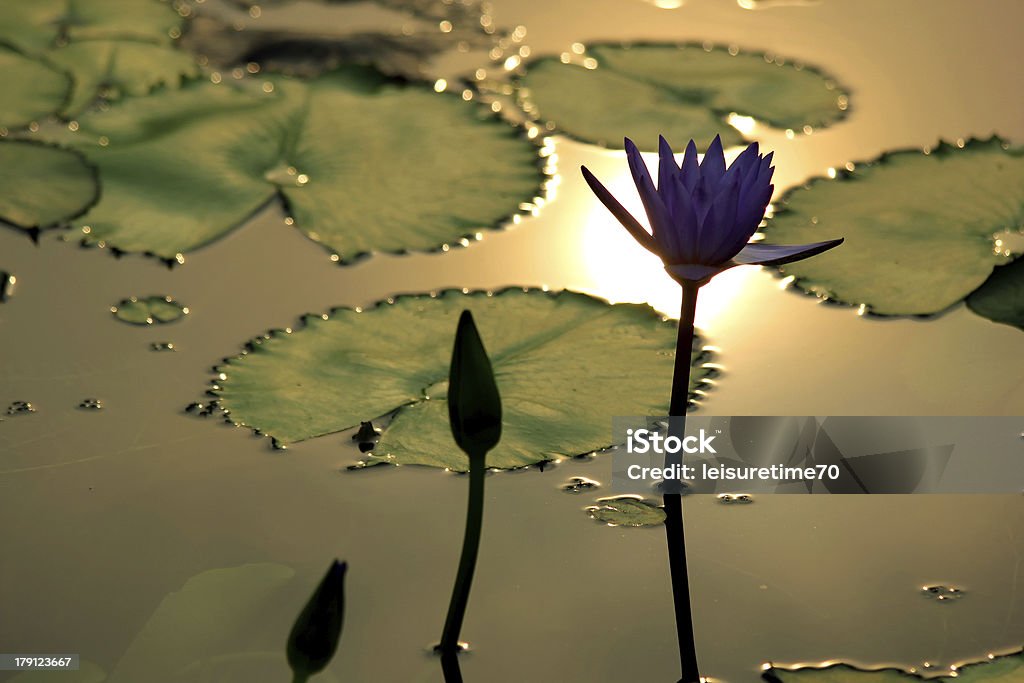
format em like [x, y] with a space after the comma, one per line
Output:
[467, 562]
[674, 530]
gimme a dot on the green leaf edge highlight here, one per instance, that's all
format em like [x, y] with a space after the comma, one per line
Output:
[971, 671]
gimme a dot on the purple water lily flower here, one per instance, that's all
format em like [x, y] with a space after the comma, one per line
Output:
[703, 215]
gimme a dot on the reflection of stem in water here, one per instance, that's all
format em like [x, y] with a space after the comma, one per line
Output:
[450, 668]
[674, 529]
[467, 563]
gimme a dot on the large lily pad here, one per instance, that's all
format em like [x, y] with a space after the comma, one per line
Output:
[1006, 669]
[565, 365]
[111, 46]
[681, 92]
[1001, 298]
[361, 162]
[919, 228]
[42, 186]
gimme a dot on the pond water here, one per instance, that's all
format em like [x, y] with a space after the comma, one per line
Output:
[108, 511]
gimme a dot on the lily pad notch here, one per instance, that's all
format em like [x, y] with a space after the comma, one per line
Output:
[555, 356]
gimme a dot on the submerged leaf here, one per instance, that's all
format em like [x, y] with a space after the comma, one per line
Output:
[566, 364]
[680, 92]
[919, 227]
[361, 163]
[149, 310]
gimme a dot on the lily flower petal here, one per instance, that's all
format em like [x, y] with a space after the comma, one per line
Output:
[667, 168]
[713, 166]
[619, 211]
[657, 213]
[779, 254]
[690, 170]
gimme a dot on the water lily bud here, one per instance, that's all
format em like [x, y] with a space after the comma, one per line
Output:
[314, 637]
[474, 406]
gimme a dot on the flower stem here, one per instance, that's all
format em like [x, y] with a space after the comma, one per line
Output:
[467, 563]
[674, 530]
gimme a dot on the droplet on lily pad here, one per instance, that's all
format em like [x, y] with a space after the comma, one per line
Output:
[626, 511]
[681, 92]
[920, 230]
[565, 364]
[151, 309]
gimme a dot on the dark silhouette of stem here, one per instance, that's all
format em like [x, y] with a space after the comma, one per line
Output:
[467, 563]
[674, 530]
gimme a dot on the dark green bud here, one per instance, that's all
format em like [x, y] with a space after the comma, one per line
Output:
[314, 637]
[474, 406]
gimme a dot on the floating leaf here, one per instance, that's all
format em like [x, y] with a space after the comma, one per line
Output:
[152, 309]
[109, 45]
[199, 621]
[919, 227]
[362, 164]
[120, 68]
[565, 365]
[679, 92]
[626, 511]
[42, 186]
[36, 26]
[1006, 669]
[1001, 297]
[32, 90]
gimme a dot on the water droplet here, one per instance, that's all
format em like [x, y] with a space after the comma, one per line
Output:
[20, 408]
[942, 593]
[580, 484]
[162, 346]
[91, 404]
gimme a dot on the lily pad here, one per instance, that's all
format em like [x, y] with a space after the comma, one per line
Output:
[565, 364]
[681, 92]
[42, 186]
[1001, 298]
[1006, 669]
[362, 163]
[107, 46]
[152, 309]
[32, 90]
[919, 228]
[626, 511]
